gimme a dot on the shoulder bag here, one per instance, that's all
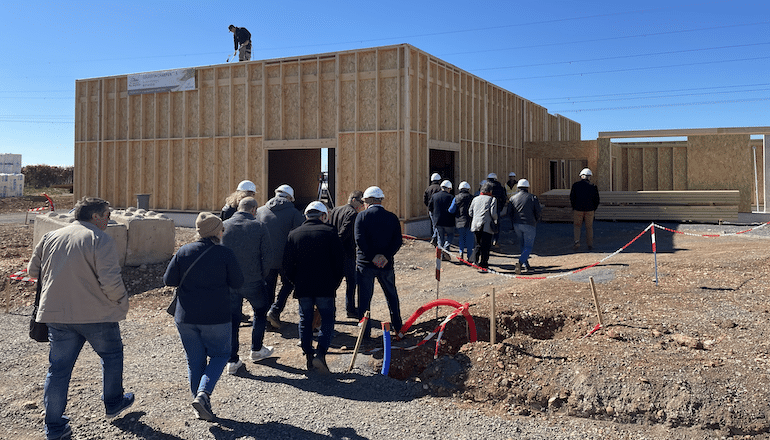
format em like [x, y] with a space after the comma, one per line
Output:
[172, 307]
[38, 330]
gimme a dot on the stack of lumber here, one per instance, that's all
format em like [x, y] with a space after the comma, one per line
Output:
[690, 206]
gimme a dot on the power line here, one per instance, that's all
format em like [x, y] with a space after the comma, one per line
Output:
[661, 97]
[655, 91]
[633, 69]
[621, 57]
[680, 104]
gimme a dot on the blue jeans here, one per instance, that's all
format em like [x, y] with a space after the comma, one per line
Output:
[387, 280]
[526, 236]
[466, 241]
[283, 294]
[201, 342]
[445, 236]
[66, 342]
[349, 269]
[327, 310]
[256, 294]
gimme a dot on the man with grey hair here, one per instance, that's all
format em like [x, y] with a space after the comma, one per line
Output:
[249, 240]
[83, 298]
[344, 219]
[312, 261]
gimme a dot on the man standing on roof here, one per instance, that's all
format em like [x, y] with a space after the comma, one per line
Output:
[584, 198]
[344, 219]
[313, 262]
[378, 238]
[242, 41]
[280, 216]
[433, 188]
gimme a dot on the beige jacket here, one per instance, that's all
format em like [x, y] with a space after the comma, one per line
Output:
[81, 276]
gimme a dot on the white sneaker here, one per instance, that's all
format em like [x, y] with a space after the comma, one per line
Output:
[233, 367]
[265, 352]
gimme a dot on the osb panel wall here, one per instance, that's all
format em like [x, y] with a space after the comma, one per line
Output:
[679, 168]
[540, 154]
[635, 175]
[665, 170]
[649, 169]
[189, 149]
[734, 159]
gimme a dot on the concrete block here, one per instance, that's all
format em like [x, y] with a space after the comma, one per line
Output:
[11, 185]
[151, 236]
[45, 223]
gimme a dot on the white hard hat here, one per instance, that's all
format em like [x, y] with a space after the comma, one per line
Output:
[246, 185]
[464, 185]
[446, 184]
[286, 191]
[374, 192]
[523, 183]
[316, 206]
[586, 172]
[492, 176]
[511, 174]
[434, 177]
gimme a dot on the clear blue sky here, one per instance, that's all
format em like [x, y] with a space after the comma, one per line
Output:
[608, 65]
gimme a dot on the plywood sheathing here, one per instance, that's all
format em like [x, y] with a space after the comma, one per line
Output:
[380, 109]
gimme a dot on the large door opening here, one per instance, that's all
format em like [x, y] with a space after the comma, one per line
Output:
[300, 169]
[443, 162]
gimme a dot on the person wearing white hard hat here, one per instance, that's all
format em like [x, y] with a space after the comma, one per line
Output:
[280, 216]
[312, 261]
[250, 241]
[445, 221]
[584, 198]
[245, 189]
[498, 192]
[527, 212]
[433, 188]
[459, 208]
[378, 239]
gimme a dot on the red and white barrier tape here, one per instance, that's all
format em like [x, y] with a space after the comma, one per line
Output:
[711, 235]
[22, 276]
[439, 329]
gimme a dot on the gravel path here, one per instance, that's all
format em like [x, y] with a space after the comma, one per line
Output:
[272, 400]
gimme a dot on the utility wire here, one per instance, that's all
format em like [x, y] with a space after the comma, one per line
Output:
[679, 104]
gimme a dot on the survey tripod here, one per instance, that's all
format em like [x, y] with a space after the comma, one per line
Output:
[323, 190]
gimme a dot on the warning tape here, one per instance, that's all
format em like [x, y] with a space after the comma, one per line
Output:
[651, 226]
[438, 330]
[22, 276]
[711, 235]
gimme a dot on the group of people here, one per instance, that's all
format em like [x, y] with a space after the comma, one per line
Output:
[476, 219]
[237, 255]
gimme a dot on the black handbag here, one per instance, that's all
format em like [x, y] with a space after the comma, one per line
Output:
[171, 309]
[38, 330]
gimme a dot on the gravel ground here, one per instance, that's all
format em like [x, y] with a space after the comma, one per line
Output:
[277, 399]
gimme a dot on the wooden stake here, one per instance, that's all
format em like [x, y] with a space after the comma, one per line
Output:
[364, 322]
[492, 320]
[596, 300]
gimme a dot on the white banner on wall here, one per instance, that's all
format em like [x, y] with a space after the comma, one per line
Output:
[162, 81]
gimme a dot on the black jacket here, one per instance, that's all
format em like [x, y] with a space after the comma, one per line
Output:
[439, 207]
[378, 231]
[584, 196]
[344, 219]
[498, 192]
[461, 204]
[432, 189]
[240, 36]
[312, 259]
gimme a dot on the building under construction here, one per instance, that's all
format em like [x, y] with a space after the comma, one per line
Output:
[387, 116]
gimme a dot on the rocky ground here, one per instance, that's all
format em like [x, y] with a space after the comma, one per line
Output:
[684, 357]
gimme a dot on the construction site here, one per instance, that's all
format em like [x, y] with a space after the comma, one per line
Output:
[658, 333]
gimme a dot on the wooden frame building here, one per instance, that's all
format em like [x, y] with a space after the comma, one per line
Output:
[386, 116]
